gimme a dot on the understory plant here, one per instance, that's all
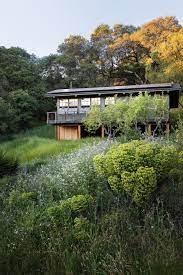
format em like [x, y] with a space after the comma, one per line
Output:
[139, 168]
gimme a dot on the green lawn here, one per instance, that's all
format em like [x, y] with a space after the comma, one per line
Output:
[38, 144]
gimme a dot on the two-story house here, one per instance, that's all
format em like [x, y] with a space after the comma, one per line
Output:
[73, 104]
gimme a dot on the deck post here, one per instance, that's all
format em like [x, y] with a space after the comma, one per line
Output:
[57, 131]
[102, 103]
[149, 130]
[102, 132]
[79, 105]
[79, 131]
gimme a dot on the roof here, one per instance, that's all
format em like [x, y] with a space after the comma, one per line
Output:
[113, 90]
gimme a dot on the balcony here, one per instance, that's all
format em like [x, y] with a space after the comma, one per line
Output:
[70, 118]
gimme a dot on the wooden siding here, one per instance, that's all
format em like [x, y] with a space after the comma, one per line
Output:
[68, 132]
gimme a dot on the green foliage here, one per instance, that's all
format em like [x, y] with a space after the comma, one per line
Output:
[124, 115]
[71, 208]
[8, 164]
[138, 167]
[25, 107]
[21, 199]
[18, 69]
[140, 184]
[7, 117]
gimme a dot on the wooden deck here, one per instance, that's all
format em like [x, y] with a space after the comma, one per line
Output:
[74, 118]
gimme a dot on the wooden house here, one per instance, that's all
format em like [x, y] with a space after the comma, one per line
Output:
[73, 104]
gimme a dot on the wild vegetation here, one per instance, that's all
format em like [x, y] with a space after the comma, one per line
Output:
[36, 145]
[103, 208]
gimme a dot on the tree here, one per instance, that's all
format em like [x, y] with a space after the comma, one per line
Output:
[25, 107]
[18, 70]
[112, 118]
[119, 30]
[157, 31]
[52, 72]
[127, 113]
[76, 61]
[7, 117]
[101, 39]
[129, 57]
[171, 56]
[145, 108]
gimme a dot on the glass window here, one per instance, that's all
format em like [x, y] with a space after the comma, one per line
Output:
[95, 101]
[64, 103]
[109, 100]
[73, 102]
[85, 102]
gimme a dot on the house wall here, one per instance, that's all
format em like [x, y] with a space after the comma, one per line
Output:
[67, 132]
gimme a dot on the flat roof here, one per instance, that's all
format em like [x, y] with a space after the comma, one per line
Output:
[113, 90]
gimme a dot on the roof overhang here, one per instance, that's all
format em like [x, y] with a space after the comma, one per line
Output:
[103, 91]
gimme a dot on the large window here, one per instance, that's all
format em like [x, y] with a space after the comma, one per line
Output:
[73, 103]
[64, 103]
[109, 100]
[95, 101]
[85, 102]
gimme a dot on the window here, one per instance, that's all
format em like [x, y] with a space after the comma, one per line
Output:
[64, 103]
[109, 100]
[95, 101]
[73, 102]
[85, 102]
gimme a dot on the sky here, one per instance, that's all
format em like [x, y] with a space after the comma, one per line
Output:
[39, 26]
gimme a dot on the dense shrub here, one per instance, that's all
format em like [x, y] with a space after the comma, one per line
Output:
[138, 167]
[71, 208]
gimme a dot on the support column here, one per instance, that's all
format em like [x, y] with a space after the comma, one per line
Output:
[102, 103]
[79, 131]
[79, 105]
[149, 130]
[102, 132]
[57, 132]
[58, 105]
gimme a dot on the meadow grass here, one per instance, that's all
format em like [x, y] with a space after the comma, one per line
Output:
[38, 144]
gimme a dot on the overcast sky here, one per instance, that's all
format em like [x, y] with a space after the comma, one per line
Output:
[40, 25]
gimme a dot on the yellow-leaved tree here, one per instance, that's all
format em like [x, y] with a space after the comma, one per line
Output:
[171, 56]
[157, 31]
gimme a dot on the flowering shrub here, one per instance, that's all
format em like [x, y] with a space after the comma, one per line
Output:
[137, 167]
[65, 175]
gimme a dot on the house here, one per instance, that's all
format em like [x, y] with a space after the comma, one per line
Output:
[73, 104]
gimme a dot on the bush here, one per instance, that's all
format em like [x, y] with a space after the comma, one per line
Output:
[138, 167]
[8, 164]
[71, 208]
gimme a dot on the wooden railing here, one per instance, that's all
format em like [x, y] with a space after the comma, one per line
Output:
[55, 118]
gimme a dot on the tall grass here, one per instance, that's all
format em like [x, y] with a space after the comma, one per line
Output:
[36, 145]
